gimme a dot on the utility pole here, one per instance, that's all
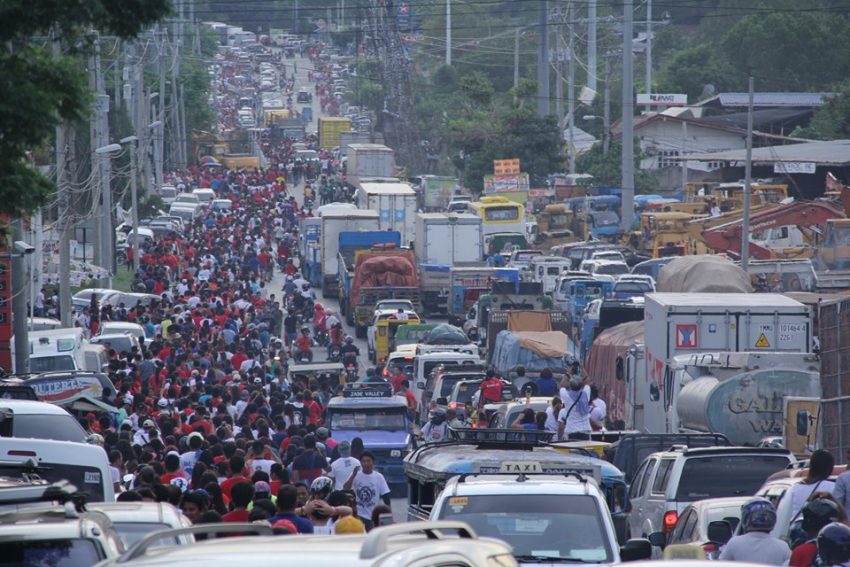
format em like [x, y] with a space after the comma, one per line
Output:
[182, 136]
[19, 298]
[648, 79]
[134, 198]
[628, 161]
[160, 130]
[606, 108]
[543, 58]
[557, 56]
[448, 32]
[516, 60]
[571, 86]
[591, 45]
[684, 161]
[748, 178]
[64, 219]
[96, 161]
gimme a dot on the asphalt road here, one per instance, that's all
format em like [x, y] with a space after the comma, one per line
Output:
[399, 505]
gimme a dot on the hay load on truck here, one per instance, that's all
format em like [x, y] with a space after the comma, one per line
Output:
[703, 274]
[350, 243]
[380, 275]
[524, 320]
[335, 222]
[442, 241]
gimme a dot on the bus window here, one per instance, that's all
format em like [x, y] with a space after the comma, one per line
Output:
[506, 213]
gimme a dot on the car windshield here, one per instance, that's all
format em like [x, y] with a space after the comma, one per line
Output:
[389, 419]
[50, 553]
[606, 218]
[40, 426]
[120, 344]
[464, 392]
[51, 363]
[539, 525]
[131, 532]
[447, 384]
[87, 478]
[612, 269]
[708, 477]
[633, 287]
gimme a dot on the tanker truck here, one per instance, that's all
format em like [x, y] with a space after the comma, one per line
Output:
[742, 395]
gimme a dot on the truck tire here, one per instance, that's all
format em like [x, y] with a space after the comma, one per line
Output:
[342, 309]
[349, 318]
[359, 331]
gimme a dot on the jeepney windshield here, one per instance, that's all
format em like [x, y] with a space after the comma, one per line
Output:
[383, 419]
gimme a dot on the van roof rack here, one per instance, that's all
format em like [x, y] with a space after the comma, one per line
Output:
[502, 438]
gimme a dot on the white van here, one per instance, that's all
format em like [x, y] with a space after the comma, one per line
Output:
[57, 349]
[546, 270]
[205, 196]
[83, 465]
[427, 362]
[187, 213]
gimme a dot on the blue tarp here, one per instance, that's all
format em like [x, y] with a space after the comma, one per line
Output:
[508, 353]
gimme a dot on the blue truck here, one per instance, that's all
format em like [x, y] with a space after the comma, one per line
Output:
[374, 414]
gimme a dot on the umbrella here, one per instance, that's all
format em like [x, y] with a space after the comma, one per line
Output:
[209, 161]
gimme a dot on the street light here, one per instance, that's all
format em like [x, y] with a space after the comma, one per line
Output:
[108, 150]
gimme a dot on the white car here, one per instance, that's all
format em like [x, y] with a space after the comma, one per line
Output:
[611, 268]
[546, 519]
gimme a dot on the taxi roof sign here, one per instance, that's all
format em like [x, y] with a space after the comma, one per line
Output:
[367, 390]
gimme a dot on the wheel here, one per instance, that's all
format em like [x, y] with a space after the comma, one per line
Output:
[120, 258]
[349, 318]
[359, 331]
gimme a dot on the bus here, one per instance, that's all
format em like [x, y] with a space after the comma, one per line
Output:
[498, 214]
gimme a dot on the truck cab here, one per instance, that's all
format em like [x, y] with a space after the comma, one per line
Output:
[546, 270]
[372, 413]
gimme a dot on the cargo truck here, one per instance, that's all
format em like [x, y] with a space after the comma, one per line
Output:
[333, 223]
[368, 160]
[350, 243]
[329, 130]
[346, 139]
[380, 274]
[442, 241]
[395, 203]
[469, 283]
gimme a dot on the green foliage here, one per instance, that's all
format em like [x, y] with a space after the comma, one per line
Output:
[607, 171]
[691, 69]
[40, 89]
[832, 120]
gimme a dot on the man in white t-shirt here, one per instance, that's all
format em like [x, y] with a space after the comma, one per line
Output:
[342, 468]
[369, 486]
[190, 457]
[553, 412]
[575, 424]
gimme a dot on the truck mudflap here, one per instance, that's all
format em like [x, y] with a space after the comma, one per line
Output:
[330, 285]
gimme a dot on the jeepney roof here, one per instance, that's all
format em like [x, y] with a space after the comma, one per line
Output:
[312, 367]
[365, 403]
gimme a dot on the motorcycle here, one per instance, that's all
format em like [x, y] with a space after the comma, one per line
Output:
[334, 354]
[321, 338]
[351, 373]
[301, 355]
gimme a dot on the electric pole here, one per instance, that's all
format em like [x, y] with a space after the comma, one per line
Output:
[591, 45]
[648, 79]
[448, 32]
[543, 58]
[628, 160]
[748, 179]
[571, 86]
[516, 60]
[606, 108]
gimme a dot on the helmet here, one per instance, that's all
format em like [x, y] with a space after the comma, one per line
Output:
[834, 544]
[322, 486]
[305, 286]
[818, 513]
[348, 340]
[758, 514]
[305, 329]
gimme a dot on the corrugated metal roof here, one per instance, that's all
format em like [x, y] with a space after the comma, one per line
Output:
[834, 153]
[768, 99]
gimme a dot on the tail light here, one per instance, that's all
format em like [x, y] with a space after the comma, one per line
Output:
[432, 406]
[670, 519]
[386, 371]
[711, 551]
[456, 405]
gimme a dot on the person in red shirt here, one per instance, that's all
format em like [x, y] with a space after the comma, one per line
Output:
[172, 468]
[491, 389]
[404, 388]
[304, 344]
[242, 493]
[236, 467]
[817, 513]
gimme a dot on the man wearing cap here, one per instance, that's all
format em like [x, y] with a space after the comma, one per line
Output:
[342, 468]
[142, 437]
[323, 435]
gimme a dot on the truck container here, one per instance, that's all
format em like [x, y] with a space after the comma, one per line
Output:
[833, 333]
[369, 160]
[311, 250]
[533, 350]
[741, 395]
[349, 244]
[380, 274]
[330, 129]
[346, 139]
[605, 367]
[395, 203]
[333, 223]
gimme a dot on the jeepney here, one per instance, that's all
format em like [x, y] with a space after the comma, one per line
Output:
[331, 373]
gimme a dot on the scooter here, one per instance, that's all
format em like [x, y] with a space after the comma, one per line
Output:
[334, 354]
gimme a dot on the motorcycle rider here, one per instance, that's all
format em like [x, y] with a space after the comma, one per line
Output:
[816, 514]
[834, 545]
[336, 336]
[304, 345]
[756, 545]
[349, 352]
[435, 430]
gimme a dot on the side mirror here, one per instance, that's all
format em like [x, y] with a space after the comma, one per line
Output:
[658, 539]
[620, 371]
[420, 385]
[719, 532]
[636, 549]
[803, 418]
[654, 393]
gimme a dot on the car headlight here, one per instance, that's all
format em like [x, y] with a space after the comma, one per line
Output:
[395, 453]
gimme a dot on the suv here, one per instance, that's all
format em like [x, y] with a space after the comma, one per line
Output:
[545, 518]
[667, 482]
[135, 520]
[400, 545]
[445, 381]
[38, 420]
[35, 532]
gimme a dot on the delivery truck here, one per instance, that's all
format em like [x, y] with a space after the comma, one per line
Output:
[444, 240]
[329, 130]
[333, 223]
[395, 203]
[368, 160]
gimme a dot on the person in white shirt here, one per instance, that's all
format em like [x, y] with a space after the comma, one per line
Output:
[821, 464]
[143, 436]
[598, 409]
[342, 468]
[369, 486]
[552, 414]
[436, 429]
[575, 424]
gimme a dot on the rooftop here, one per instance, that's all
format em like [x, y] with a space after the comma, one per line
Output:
[771, 100]
[830, 153]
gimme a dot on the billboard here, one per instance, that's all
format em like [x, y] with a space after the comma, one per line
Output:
[506, 183]
[437, 192]
[506, 166]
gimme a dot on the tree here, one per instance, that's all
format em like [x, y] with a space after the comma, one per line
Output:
[691, 69]
[832, 120]
[607, 171]
[38, 90]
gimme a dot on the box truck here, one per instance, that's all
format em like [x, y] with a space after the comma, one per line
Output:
[333, 223]
[395, 203]
[369, 160]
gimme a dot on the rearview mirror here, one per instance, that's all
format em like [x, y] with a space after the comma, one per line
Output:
[719, 532]
[658, 539]
[654, 393]
[620, 371]
[636, 549]
[420, 385]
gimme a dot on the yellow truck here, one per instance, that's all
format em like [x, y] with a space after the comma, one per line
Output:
[330, 129]
[234, 161]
